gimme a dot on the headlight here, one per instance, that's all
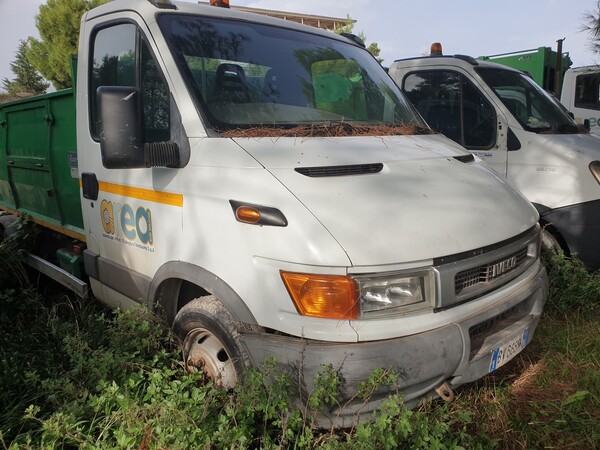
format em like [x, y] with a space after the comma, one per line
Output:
[595, 168]
[360, 297]
[395, 294]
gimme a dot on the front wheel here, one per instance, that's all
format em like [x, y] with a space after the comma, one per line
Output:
[211, 341]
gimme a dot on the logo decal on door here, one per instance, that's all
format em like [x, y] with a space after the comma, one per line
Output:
[121, 223]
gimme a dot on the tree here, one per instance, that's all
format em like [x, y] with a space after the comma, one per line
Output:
[58, 24]
[592, 26]
[27, 80]
[373, 48]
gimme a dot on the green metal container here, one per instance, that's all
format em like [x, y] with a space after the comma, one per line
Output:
[540, 63]
[38, 161]
[71, 260]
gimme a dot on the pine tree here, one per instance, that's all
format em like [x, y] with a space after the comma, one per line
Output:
[27, 79]
[592, 26]
[373, 48]
[58, 24]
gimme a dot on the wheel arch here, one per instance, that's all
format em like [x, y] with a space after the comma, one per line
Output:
[177, 283]
[551, 228]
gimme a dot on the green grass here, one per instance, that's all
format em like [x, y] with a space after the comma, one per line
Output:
[76, 375]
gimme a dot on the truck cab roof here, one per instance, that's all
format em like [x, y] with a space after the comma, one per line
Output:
[446, 60]
[147, 8]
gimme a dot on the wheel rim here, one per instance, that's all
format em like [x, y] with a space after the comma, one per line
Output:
[205, 352]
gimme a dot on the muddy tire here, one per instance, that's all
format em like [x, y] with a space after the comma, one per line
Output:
[211, 341]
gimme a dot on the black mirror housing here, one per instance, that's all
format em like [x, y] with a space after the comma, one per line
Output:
[586, 124]
[121, 127]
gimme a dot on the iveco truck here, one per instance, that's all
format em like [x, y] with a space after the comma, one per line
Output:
[268, 188]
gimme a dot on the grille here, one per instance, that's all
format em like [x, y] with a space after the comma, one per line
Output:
[489, 272]
[337, 171]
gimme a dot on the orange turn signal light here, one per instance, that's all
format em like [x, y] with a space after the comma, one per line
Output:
[221, 3]
[247, 214]
[324, 296]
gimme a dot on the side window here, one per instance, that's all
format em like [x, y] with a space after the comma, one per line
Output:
[450, 104]
[587, 91]
[121, 57]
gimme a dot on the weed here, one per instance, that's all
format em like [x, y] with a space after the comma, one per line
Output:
[572, 287]
[76, 375]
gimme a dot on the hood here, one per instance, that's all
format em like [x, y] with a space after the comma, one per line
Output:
[422, 203]
[552, 170]
[583, 146]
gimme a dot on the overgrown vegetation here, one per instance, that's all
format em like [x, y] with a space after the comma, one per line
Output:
[75, 375]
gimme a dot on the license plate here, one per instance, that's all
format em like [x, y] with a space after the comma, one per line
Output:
[509, 350]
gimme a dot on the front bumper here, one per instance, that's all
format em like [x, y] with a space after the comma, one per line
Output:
[456, 353]
[579, 225]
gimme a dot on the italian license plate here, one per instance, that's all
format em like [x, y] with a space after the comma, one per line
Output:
[508, 350]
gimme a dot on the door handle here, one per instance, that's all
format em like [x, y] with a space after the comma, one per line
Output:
[89, 185]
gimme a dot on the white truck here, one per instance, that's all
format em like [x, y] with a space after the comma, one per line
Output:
[581, 95]
[503, 117]
[269, 188]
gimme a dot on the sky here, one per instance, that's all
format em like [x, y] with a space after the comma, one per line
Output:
[402, 29]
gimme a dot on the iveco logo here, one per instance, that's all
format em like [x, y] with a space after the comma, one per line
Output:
[502, 267]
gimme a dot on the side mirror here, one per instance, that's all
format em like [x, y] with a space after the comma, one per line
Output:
[121, 127]
[586, 124]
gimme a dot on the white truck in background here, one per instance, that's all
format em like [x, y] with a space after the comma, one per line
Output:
[269, 188]
[503, 117]
[581, 95]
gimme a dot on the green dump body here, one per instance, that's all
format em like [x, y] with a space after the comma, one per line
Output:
[38, 161]
[540, 63]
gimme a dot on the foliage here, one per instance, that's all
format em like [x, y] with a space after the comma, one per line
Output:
[58, 24]
[27, 80]
[592, 26]
[75, 375]
[572, 287]
[373, 48]
[16, 238]
[86, 378]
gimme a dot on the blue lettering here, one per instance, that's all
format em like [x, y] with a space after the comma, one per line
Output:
[144, 215]
[127, 222]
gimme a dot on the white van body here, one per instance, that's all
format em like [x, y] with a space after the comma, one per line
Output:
[438, 255]
[502, 116]
[581, 95]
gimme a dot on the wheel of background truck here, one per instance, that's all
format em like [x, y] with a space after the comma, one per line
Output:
[550, 244]
[211, 341]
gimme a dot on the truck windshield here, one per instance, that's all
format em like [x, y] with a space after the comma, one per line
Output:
[533, 107]
[244, 75]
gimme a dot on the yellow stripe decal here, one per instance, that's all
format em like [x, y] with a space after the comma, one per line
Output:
[166, 198]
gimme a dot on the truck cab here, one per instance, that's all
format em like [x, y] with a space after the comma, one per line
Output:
[581, 95]
[268, 188]
[503, 117]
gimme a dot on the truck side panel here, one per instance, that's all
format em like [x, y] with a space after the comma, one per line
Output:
[38, 161]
